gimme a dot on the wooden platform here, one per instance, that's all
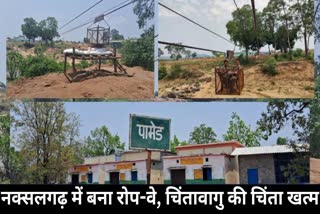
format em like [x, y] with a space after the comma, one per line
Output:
[76, 76]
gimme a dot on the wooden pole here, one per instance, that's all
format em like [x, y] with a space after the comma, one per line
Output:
[73, 60]
[99, 63]
[149, 167]
[115, 60]
[255, 24]
[65, 63]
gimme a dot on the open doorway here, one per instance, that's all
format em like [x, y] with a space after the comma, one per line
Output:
[114, 178]
[178, 176]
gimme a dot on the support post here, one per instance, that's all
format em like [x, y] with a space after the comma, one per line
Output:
[73, 60]
[149, 167]
[115, 60]
[99, 63]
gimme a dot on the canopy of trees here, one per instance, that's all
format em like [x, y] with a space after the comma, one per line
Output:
[279, 24]
[101, 142]
[46, 139]
[140, 52]
[243, 133]
[46, 29]
[202, 135]
[115, 35]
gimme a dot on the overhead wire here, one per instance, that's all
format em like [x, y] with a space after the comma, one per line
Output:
[187, 46]
[78, 16]
[190, 20]
[112, 10]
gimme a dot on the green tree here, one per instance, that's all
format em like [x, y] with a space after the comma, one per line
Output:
[241, 29]
[30, 29]
[175, 52]
[282, 43]
[176, 142]
[115, 35]
[14, 62]
[303, 16]
[160, 52]
[48, 29]
[46, 139]
[140, 52]
[102, 142]
[281, 10]
[269, 23]
[303, 116]
[144, 9]
[194, 55]
[243, 133]
[282, 141]
[202, 135]
[188, 54]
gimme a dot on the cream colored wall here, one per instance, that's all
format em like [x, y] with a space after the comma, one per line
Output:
[219, 150]
[101, 159]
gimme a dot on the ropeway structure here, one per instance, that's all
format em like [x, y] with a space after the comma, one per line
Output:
[99, 50]
[229, 80]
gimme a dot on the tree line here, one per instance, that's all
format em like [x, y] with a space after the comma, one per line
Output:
[46, 29]
[280, 24]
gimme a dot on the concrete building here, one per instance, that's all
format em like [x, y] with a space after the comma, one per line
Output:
[264, 165]
[127, 168]
[202, 164]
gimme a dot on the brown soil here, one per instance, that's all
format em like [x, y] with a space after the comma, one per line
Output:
[55, 85]
[295, 80]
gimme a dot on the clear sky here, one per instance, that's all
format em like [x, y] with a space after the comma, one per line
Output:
[213, 14]
[184, 116]
[14, 11]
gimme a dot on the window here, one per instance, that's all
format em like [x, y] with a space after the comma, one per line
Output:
[134, 176]
[178, 161]
[207, 159]
[90, 178]
[207, 174]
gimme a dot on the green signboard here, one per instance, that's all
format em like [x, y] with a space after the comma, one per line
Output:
[149, 133]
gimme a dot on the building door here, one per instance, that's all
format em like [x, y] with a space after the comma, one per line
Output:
[253, 176]
[178, 177]
[207, 174]
[114, 178]
[90, 178]
[75, 179]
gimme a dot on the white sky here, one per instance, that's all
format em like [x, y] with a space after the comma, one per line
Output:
[213, 14]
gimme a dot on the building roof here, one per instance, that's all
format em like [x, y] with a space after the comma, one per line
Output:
[262, 150]
[234, 144]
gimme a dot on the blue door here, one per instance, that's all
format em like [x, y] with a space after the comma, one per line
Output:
[253, 176]
[90, 178]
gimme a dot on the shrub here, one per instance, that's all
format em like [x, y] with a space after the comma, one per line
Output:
[243, 60]
[298, 52]
[311, 56]
[39, 49]
[162, 72]
[40, 65]
[276, 57]
[290, 55]
[175, 71]
[83, 64]
[14, 62]
[269, 67]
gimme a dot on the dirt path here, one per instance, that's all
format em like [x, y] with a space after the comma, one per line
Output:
[55, 85]
[295, 80]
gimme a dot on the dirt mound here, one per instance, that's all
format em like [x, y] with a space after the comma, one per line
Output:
[295, 80]
[55, 85]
